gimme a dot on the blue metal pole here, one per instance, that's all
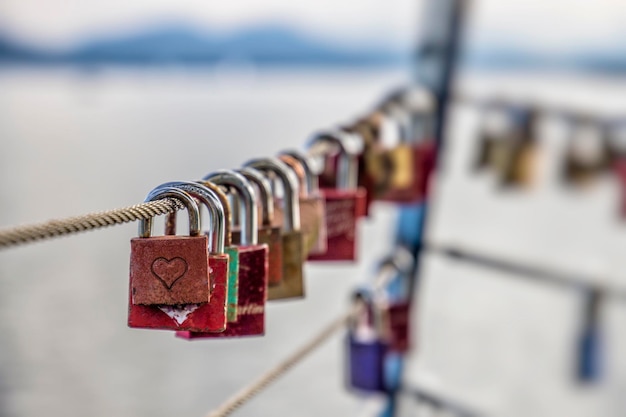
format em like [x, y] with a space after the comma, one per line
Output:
[434, 67]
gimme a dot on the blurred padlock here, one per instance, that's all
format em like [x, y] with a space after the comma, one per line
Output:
[401, 171]
[253, 265]
[231, 250]
[292, 285]
[345, 203]
[365, 350]
[312, 204]
[170, 284]
[268, 233]
[588, 152]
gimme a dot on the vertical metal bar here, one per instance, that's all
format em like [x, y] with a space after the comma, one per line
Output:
[434, 67]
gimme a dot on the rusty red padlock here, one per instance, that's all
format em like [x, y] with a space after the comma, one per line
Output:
[170, 284]
[253, 265]
[269, 232]
[346, 202]
[312, 203]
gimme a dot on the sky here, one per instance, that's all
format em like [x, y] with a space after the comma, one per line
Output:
[546, 24]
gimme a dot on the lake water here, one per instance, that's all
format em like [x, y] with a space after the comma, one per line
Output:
[75, 142]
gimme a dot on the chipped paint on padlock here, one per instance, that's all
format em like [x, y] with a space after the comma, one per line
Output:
[269, 233]
[312, 204]
[185, 316]
[231, 251]
[253, 265]
[292, 285]
[346, 202]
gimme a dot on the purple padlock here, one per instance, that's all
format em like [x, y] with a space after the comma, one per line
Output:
[366, 351]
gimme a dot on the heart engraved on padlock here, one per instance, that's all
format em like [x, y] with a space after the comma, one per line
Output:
[292, 285]
[168, 271]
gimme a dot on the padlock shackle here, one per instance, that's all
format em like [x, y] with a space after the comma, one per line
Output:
[312, 183]
[265, 192]
[349, 145]
[217, 233]
[159, 193]
[296, 168]
[223, 199]
[247, 202]
[291, 201]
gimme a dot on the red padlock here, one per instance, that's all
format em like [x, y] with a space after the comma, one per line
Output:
[170, 285]
[253, 265]
[268, 232]
[345, 203]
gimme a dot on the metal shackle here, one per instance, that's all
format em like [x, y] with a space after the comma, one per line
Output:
[247, 201]
[312, 184]
[159, 193]
[350, 145]
[296, 168]
[265, 192]
[291, 201]
[217, 217]
[223, 199]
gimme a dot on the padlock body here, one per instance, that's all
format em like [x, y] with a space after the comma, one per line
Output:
[233, 283]
[399, 327]
[271, 236]
[203, 317]
[292, 285]
[312, 222]
[366, 364]
[253, 270]
[401, 175]
[169, 270]
[343, 209]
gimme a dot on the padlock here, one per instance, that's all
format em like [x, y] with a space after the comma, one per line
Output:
[345, 203]
[400, 172]
[588, 154]
[292, 285]
[231, 251]
[169, 275]
[268, 232]
[253, 264]
[312, 205]
[365, 350]
[391, 299]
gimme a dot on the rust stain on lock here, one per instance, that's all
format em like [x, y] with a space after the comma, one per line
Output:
[169, 270]
[292, 285]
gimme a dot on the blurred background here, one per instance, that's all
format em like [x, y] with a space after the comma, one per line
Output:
[102, 101]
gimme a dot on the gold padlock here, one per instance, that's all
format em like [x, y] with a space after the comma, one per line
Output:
[312, 204]
[292, 285]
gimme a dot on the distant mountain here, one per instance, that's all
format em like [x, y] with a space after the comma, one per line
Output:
[257, 45]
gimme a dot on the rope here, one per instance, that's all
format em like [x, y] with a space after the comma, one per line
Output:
[247, 393]
[54, 228]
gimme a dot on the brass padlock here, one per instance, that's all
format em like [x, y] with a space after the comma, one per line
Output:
[292, 285]
[268, 232]
[312, 204]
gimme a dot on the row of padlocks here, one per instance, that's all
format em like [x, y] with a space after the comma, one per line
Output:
[269, 217]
